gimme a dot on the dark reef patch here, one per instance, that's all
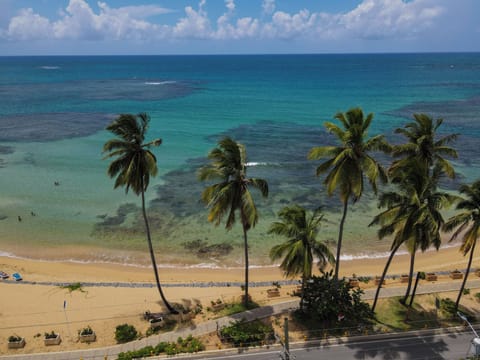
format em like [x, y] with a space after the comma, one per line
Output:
[204, 251]
[51, 126]
[459, 117]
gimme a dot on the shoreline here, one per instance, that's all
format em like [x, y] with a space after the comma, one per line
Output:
[31, 309]
[447, 258]
[345, 258]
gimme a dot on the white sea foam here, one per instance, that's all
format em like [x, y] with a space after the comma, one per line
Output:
[7, 254]
[124, 261]
[46, 67]
[159, 82]
[379, 255]
[255, 163]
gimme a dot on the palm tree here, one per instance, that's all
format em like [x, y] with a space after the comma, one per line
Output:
[301, 230]
[467, 223]
[231, 193]
[421, 159]
[350, 162]
[423, 144]
[412, 216]
[133, 165]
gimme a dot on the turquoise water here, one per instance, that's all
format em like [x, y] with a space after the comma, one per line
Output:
[54, 110]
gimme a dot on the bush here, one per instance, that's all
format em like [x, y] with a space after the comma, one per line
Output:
[331, 301]
[447, 306]
[243, 333]
[50, 335]
[14, 338]
[466, 291]
[187, 345]
[86, 331]
[125, 333]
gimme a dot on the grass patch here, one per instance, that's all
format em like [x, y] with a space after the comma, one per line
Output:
[394, 316]
[391, 316]
[235, 308]
[73, 287]
[397, 317]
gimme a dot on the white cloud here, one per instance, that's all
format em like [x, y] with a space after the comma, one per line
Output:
[195, 24]
[268, 6]
[78, 21]
[285, 25]
[28, 25]
[371, 19]
[230, 4]
[389, 18]
[246, 27]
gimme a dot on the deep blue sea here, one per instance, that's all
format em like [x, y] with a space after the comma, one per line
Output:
[56, 201]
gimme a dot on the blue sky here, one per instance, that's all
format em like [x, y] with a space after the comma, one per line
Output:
[73, 27]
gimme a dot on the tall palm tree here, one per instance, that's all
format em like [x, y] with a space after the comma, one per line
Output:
[132, 166]
[424, 145]
[466, 222]
[422, 159]
[298, 252]
[412, 217]
[350, 162]
[232, 192]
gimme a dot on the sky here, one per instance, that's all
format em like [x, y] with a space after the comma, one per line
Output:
[133, 27]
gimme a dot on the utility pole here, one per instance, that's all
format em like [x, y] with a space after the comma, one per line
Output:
[287, 346]
[285, 354]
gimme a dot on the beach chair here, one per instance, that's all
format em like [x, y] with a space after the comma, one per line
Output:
[17, 276]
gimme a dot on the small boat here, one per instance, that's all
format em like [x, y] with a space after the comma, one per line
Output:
[17, 277]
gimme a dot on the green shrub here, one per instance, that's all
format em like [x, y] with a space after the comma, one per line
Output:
[364, 279]
[333, 302]
[14, 338]
[125, 333]
[447, 306]
[243, 333]
[466, 291]
[477, 296]
[187, 345]
[50, 335]
[86, 331]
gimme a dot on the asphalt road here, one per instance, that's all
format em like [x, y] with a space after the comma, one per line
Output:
[430, 347]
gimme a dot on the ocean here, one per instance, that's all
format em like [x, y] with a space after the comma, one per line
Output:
[57, 203]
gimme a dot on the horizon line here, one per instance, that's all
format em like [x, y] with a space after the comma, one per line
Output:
[251, 54]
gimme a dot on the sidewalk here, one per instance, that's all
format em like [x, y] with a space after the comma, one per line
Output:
[111, 352]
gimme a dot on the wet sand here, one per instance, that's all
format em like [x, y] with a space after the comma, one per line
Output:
[30, 309]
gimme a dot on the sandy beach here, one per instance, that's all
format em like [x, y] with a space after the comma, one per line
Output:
[31, 309]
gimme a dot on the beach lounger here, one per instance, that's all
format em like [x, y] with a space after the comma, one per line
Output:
[4, 275]
[149, 316]
[17, 276]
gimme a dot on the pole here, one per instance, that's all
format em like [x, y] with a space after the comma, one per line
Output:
[414, 289]
[464, 318]
[287, 346]
[66, 318]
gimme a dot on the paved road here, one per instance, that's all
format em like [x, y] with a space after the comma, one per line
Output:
[451, 346]
[211, 326]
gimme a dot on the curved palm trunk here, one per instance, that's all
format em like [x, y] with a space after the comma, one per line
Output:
[340, 237]
[410, 277]
[460, 293]
[152, 256]
[245, 245]
[302, 295]
[385, 269]
[417, 279]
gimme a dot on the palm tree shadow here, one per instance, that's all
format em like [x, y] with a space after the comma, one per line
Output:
[425, 348]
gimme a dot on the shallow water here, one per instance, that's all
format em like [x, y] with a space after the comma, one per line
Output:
[54, 109]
